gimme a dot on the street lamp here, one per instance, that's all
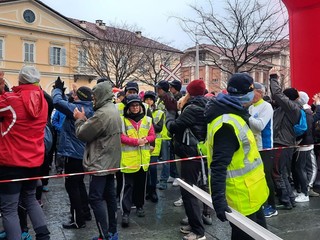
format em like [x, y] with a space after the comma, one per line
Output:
[197, 56]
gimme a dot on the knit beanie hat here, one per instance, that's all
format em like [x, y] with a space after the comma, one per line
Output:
[164, 85]
[132, 86]
[176, 84]
[196, 88]
[291, 93]
[29, 75]
[84, 93]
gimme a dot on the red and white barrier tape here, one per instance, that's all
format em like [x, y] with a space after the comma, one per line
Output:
[118, 169]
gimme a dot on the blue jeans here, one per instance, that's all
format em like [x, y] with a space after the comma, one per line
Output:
[102, 189]
[165, 155]
[25, 191]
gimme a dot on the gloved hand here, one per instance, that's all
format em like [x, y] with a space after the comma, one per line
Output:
[221, 207]
[170, 103]
[59, 84]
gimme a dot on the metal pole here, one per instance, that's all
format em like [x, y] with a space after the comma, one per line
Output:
[197, 59]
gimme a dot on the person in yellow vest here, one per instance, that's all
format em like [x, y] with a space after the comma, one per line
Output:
[130, 88]
[137, 134]
[237, 175]
[158, 124]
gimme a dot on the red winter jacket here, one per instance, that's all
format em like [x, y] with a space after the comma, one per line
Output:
[23, 117]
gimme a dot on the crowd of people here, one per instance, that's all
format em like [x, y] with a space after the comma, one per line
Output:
[235, 135]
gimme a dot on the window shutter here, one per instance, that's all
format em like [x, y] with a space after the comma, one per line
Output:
[31, 49]
[51, 56]
[63, 57]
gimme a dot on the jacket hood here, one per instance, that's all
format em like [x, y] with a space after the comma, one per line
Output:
[102, 93]
[32, 98]
[225, 104]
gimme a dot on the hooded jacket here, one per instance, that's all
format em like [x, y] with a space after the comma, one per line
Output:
[285, 116]
[72, 146]
[23, 115]
[101, 132]
[192, 117]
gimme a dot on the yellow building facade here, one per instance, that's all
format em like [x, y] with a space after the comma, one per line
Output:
[32, 33]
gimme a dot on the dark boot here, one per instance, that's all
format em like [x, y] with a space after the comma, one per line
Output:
[42, 233]
[153, 195]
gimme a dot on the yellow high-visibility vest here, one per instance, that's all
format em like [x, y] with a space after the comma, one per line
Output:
[134, 156]
[157, 115]
[246, 186]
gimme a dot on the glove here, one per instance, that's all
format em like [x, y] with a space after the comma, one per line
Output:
[221, 208]
[59, 84]
[170, 103]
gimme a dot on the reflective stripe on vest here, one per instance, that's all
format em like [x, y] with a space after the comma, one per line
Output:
[248, 166]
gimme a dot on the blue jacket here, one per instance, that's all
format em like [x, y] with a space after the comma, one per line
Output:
[71, 145]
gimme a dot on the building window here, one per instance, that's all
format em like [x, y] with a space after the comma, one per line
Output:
[186, 80]
[215, 80]
[82, 58]
[29, 52]
[202, 56]
[57, 56]
[1, 49]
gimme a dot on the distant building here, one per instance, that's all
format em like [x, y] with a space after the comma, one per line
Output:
[216, 79]
[32, 33]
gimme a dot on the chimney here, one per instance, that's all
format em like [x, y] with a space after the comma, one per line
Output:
[98, 22]
[83, 24]
[138, 34]
[102, 26]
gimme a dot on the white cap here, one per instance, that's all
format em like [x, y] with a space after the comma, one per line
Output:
[29, 75]
[304, 98]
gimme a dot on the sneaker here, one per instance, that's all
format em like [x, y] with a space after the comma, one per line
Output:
[140, 212]
[186, 229]
[175, 183]
[284, 206]
[170, 179]
[26, 236]
[193, 236]
[184, 221]
[207, 220]
[312, 193]
[113, 236]
[269, 211]
[178, 203]
[3, 235]
[125, 221]
[302, 198]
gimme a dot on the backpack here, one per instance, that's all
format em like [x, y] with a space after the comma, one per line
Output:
[48, 139]
[301, 127]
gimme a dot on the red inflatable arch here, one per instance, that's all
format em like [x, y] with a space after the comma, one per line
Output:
[304, 19]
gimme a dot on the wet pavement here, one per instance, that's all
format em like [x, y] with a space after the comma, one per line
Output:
[162, 219]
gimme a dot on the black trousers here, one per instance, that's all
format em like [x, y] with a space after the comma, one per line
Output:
[76, 189]
[190, 171]
[267, 159]
[238, 234]
[133, 191]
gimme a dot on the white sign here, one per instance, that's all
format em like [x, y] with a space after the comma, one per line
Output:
[171, 74]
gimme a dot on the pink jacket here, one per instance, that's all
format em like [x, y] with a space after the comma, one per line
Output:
[134, 141]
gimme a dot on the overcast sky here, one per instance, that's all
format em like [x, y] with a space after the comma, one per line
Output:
[151, 16]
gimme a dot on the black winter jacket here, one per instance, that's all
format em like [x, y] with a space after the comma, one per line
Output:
[192, 117]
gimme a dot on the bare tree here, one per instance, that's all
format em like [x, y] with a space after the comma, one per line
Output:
[117, 55]
[158, 54]
[240, 35]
